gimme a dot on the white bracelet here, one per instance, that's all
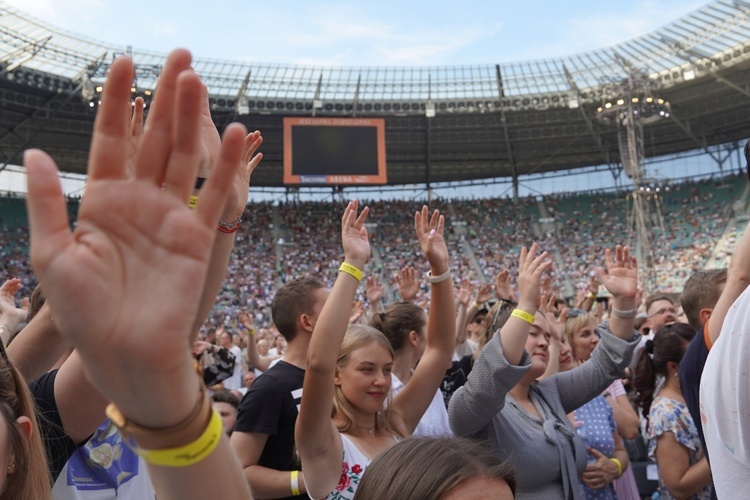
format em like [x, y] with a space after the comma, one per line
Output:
[624, 314]
[438, 279]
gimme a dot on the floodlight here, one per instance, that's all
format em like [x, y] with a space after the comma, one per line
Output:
[573, 103]
[688, 74]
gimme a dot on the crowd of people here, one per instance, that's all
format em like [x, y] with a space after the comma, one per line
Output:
[174, 333]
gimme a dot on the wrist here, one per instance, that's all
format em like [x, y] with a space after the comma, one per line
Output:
[159, 400]
[528, 307]
[624, 303]
[357, 262]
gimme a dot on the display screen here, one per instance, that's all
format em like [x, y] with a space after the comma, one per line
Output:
[334, 151]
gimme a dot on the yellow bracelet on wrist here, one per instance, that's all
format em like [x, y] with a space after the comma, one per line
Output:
[351, 270]
[191, 453]
[520, 314]
[619, 466]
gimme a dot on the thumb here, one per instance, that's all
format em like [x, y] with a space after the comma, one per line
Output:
[48, 218]
[597, 454]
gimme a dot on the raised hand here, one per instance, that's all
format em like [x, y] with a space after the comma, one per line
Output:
[621, 274]
[123, 285]
[354, 235]
[484, 293]
[531, 267]
[556, 324]
[464, 292]
[373, 289]
[408, 283]
[430, 235]
[358, 309]
[246, 320]
[503, 288]
[11, 315]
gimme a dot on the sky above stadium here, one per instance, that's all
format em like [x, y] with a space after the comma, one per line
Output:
[349, 33]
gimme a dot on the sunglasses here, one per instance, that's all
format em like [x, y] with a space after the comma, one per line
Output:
[574, 313]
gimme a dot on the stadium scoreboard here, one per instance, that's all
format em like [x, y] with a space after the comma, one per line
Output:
[337, 151]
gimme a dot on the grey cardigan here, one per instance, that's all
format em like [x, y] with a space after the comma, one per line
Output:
[547, 455]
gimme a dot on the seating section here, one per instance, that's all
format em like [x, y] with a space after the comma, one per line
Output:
[280, 241]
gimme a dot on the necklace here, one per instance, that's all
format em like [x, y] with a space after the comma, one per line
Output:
[369, 430]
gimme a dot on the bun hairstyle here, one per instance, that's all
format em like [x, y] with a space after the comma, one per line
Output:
[397, 321]
[669, 345]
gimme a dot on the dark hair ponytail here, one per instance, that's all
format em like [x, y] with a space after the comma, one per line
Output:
[669, 345]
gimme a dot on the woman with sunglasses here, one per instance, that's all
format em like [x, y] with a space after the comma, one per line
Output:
[526, 421]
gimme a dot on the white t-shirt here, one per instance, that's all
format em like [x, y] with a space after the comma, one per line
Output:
[235, 381]
[434, 422]
[104, 469]
[725, 400]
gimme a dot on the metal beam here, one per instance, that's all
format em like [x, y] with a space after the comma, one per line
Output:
[684, 53]
[698, 142]
[598, 139]
[506, 133]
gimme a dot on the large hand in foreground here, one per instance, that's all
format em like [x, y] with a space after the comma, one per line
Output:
[124, 285]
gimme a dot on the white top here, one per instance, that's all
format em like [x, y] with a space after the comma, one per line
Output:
[235, 381]
[353, 467]
[104, 469]
[725, 398]
[434, 422]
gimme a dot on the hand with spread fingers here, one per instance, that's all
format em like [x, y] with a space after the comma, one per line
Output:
[464, 292]
[125, 286]
[430, 235]
[620, 274]
[408, 283]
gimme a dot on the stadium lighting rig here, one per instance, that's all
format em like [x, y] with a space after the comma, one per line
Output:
[629, 104]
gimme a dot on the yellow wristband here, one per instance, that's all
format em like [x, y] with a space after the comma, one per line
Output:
[189, 454]
[350, 269]
[294, 475]
[592, 295]
[517, 313]
[193, 201]
[619, 466]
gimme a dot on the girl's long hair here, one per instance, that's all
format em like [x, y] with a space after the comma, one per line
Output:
[358, 336]
[30, 479]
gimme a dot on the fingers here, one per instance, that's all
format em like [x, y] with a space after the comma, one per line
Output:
[108, 143]
[48, 215]
[157, 138]
[251, 144]
[136, 121]
[215, 190]
[184, 159]
[564, 315]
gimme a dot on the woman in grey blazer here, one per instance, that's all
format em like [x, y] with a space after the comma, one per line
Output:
[525, 421]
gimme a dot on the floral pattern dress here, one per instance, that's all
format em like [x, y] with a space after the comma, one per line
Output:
[353, 466]
[668, 415]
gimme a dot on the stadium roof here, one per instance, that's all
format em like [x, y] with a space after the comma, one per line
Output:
[492, 120]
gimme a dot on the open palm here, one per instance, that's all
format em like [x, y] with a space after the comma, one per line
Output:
[125, 286]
